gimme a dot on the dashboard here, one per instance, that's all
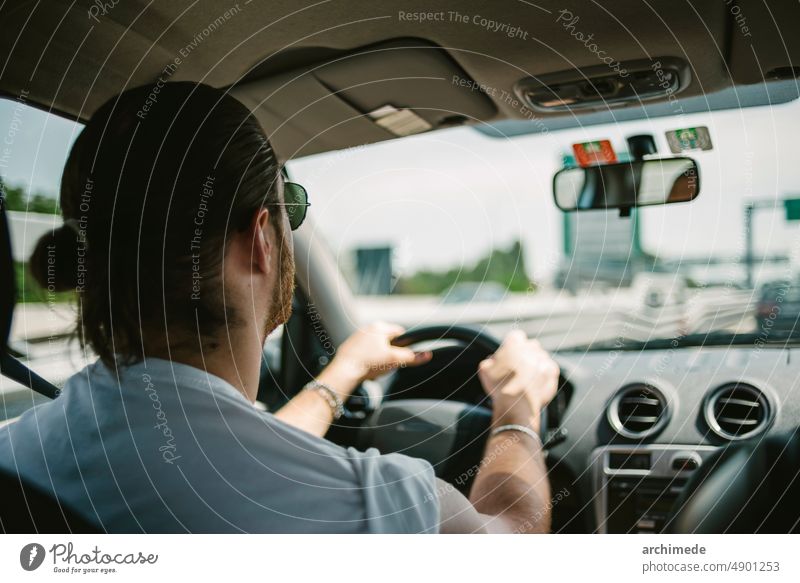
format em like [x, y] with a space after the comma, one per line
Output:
[638, 423]
[628, 428]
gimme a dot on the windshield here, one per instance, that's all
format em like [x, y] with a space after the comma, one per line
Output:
[459, 227]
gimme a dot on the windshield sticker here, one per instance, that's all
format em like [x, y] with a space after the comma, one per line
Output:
[689, 139]
[594, 153]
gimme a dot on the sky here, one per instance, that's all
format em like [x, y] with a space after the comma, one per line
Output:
[446, 198]
[33, 146]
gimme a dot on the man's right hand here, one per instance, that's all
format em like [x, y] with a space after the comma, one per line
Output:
[521, 379]
[511, 492]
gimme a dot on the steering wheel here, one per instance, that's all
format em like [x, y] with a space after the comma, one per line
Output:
[469, 336]
[451, 435]
[484, 343]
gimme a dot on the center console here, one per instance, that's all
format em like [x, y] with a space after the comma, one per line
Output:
[636, 486]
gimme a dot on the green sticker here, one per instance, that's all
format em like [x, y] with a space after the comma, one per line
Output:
[688, 139]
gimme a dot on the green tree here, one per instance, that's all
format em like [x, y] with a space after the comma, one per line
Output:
[14, 197]
[17, 200]
[28, 291]
[503, 266]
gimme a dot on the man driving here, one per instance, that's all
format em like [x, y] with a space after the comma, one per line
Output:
[177, 241]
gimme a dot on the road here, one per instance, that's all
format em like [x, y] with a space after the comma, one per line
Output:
[558, 319]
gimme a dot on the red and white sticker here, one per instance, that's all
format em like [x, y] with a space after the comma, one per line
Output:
[594, 153]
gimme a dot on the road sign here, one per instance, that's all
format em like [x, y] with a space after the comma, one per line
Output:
[792, 207]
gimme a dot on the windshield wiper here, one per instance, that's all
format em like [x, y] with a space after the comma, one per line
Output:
[718, 338]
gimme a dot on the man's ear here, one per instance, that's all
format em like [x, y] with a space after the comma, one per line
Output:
[262, 244]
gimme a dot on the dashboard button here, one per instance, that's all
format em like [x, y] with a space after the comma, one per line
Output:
[685, 464]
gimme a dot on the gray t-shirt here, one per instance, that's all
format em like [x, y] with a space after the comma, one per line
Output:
[170, 448]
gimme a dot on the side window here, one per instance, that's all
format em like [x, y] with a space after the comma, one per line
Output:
[33, 148]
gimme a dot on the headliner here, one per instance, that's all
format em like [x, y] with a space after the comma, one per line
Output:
[58, 57]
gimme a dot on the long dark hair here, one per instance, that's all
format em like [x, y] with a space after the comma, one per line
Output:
[154, 185]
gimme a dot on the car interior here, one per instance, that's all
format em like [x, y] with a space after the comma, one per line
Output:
[692, 429]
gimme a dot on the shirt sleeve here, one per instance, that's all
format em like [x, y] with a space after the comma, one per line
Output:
[399, 492]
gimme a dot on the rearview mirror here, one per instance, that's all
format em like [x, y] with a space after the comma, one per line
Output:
[627, 184]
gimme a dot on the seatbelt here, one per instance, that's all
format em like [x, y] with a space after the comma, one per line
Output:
[13, 369]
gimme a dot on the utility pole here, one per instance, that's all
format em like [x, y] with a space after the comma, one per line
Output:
[748, 238]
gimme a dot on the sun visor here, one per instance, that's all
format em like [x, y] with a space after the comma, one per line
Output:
[379, 93]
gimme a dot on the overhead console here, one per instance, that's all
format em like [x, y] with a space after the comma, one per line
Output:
[600, 87]
[377, 93]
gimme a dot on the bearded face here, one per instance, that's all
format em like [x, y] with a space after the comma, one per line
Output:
[281, 307]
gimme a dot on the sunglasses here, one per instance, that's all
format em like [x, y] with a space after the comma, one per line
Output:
[295, 199]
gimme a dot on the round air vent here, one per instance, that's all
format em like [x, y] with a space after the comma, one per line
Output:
[737, 411]
[637, 411]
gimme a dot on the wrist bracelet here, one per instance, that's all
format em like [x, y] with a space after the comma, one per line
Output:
[521, 428]
[330, 396]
